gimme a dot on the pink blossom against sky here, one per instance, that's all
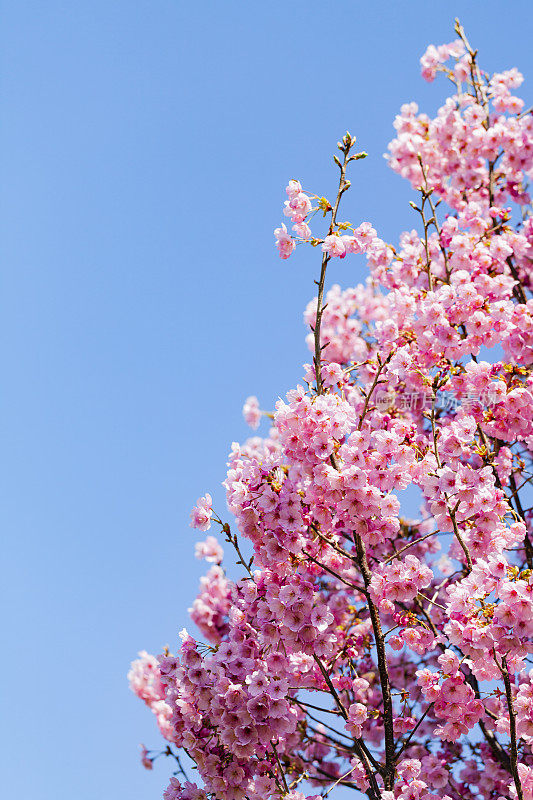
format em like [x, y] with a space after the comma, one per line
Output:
[145, 146]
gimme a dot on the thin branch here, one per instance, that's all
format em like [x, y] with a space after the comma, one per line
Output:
[282, 773]
[512, 726]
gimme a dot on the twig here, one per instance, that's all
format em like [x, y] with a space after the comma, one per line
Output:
[282, 773]
[512, 726]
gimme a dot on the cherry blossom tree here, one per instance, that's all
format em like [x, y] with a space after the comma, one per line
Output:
[360, 648]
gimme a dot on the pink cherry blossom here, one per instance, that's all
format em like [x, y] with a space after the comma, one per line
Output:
[334, 245]
[251, 412]
[210, 549]
[348, 643]
[284, 242]
[201, 513]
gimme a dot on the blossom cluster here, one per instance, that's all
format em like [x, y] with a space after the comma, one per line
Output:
[362, 647]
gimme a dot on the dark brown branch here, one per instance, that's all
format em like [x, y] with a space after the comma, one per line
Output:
[512, 727]
[382, 667]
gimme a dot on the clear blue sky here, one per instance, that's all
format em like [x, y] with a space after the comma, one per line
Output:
[145, 147]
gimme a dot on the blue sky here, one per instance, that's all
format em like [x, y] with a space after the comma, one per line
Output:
[145, 148]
